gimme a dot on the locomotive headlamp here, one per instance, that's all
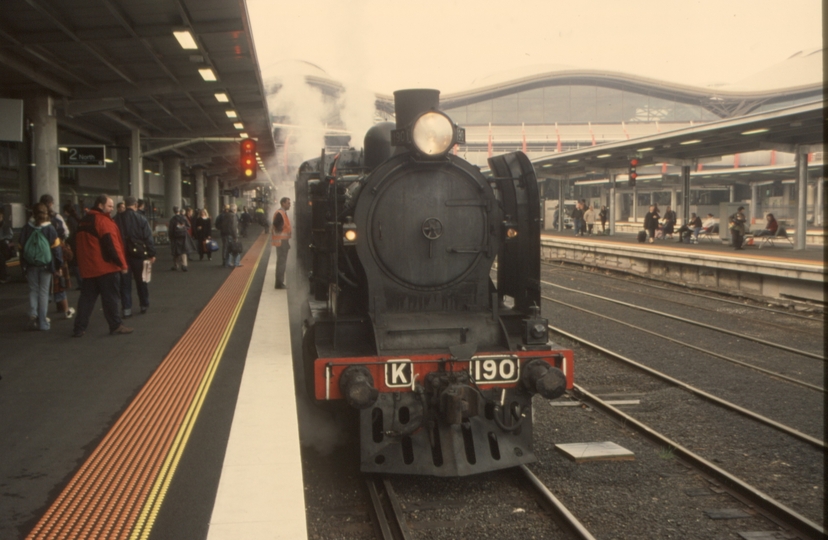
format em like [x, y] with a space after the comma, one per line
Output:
[511, 233]
[510, 229]
[349, 232]
[432, 133]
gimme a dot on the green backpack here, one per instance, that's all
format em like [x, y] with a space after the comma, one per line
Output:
[37, 251]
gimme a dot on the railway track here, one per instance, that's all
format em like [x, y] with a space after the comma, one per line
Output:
[389, 511]
[748, 494]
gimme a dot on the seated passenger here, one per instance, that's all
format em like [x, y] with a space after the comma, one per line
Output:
[710, 224]
[770, 229]
[669, 222]
[693, 226]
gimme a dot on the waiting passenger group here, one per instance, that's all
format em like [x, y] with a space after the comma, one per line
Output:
[104, 254]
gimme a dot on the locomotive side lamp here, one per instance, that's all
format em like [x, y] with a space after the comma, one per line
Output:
[349, 232]
[432, 135]
[510, 229]
[535, 328]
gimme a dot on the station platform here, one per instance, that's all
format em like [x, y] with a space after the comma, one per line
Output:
[186, 428]
[778, 272]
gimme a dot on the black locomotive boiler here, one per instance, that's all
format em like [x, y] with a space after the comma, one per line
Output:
[398, 242]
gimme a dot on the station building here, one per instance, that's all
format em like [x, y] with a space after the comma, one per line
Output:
[550, 110]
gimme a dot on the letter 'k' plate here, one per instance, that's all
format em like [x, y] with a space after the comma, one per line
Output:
[399, 373]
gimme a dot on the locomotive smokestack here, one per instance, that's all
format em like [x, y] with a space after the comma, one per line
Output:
[408, 104]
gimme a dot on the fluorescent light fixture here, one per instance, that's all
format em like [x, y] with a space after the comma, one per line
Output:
[243, 135]
[207, 74]
[107, 160]
[591, 182]
[755, 131]
[63, 149]
[573, 161]
[547, 165]
[231, 114]
[185, 39]
[222, 97]
[238, 125]
[157, 174]
[645, 149]
[602, 156]
[147, 171]
[694, 141]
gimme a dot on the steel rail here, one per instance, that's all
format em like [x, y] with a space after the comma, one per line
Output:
[690, 346]
[690, 321]
[752, 495]
[673, 301]
[685, 286]
[571, 523]
[393, 502]
[692, 389]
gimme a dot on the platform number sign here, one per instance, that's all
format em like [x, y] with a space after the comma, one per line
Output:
[82, 155]
[495, 370]
[399, 373]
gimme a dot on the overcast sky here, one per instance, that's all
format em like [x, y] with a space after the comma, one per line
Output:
[387, 45]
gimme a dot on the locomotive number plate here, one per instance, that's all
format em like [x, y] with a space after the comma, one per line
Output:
[496, 370]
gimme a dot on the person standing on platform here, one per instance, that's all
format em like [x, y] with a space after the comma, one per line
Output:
[589, 219]
[244, 221]
[41, 256]
[578, 219]
[72, 219]
[203, 232]
[670, 219]
[603, 215]
[281, 233]
[651, 222]
[60, 281]
[137, 238]
[737, 227]
[101, 260]
[229, 233]
[6, 239]
[181, 242]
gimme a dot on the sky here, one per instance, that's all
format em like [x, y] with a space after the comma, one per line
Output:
[454, 45]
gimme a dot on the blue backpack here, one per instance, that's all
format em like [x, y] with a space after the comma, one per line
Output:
[37, 251]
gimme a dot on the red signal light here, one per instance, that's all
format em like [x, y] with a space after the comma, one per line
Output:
[248, 159]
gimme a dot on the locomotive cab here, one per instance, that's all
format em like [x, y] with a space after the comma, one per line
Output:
[408, 325]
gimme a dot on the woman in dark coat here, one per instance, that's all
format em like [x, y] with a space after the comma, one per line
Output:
[180, 240]
[651, 222]
[203, 232]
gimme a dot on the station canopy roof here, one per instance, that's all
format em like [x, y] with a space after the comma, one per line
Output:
[115, 65]
[782, 130]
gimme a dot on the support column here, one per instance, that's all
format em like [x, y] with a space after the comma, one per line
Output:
[674, 204]
[802, 193]
[198, 178]
[754, 203]
[613, 204]
[172, 184]
[819, 205]
[561, 198]
[685, 190]
[731, 193]
[212, 192]
[44, 144]
[635, 204]
[136, 165]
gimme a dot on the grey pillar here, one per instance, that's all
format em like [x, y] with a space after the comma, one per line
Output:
[561, 198]
[731, 193]
[674, 204]
[802, 194]
[172, 184]
[819, 206]
[212, 192]
[685, 190]
[613, 201]
[198, 177]
[136, 165]
[754, 203]
[40, 112]
[634, 204]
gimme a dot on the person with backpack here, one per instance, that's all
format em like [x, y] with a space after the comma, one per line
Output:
[101, 260]
[137, 238]
[61, 281]
[41, 256]
[181, 242]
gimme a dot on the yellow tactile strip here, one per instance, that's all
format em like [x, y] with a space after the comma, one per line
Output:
[118, 491]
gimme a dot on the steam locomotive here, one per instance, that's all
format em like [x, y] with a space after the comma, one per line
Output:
[405, 323]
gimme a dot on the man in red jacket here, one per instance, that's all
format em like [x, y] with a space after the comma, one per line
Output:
[101, 258]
